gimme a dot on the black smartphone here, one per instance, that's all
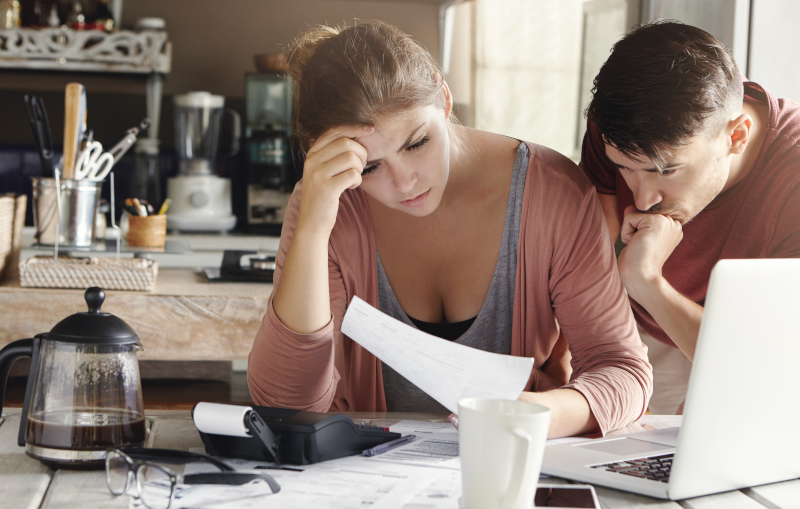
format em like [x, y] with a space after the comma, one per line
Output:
[566, 496]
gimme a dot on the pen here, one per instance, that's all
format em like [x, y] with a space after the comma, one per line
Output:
[164, 207]
[382, 448]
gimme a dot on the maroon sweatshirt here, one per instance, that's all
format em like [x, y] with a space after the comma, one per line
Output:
[757, 218]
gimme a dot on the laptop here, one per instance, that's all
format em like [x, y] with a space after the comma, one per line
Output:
[742, 412]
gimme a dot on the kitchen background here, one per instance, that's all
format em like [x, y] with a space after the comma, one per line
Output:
[518, 67]
[504, 57]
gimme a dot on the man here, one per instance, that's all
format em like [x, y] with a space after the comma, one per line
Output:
[691, 166]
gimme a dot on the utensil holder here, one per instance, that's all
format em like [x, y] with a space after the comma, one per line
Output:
[148, 231]
[80, 199]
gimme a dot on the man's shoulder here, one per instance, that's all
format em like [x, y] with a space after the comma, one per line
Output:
[594, 163]
[787, 125]
[783, 123]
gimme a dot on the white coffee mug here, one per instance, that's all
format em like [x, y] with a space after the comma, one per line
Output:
[501, 444]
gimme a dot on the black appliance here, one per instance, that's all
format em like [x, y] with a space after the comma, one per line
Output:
[299, 438]
[270, 165]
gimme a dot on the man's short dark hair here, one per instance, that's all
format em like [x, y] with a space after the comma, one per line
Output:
[664, 83]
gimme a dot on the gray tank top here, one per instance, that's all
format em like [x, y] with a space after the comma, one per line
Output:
[491, 330]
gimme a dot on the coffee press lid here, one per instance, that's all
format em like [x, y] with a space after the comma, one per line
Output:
[93, 327]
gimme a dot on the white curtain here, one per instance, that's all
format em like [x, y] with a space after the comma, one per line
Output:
[527, 69]
[534, 65]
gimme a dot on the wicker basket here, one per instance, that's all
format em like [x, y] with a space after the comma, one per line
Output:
[12, 220]
[108, 273]
[149, 231]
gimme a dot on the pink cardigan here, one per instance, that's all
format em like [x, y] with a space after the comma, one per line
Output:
[566, 280]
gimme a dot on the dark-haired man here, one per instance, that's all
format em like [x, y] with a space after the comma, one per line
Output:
[691, 166]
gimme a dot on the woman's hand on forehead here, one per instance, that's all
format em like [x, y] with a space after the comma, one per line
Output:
[334, 163]
[335, 133]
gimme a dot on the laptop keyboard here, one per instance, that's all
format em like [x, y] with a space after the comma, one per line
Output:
[656, 468]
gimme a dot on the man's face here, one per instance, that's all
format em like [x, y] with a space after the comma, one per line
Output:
[408, 160]
[694, 176]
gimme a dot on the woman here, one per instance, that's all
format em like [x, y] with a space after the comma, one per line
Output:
[467, 235]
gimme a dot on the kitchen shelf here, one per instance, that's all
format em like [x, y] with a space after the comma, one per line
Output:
[63, 49]
[122, 53]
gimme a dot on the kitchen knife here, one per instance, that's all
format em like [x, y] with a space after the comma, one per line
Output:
[74, 122]
[45, 137]
[37, 114]
[29, 105]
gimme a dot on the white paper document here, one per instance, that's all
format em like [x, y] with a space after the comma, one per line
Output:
[443, 492]
[443, 369]
[191, 496]
[422, 428]
[434, 450]
[341, 483]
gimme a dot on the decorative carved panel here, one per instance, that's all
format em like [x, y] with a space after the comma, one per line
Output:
[85, 50]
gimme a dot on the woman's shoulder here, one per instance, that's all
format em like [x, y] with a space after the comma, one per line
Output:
[550, 168]
[558, 199]
[544, 163]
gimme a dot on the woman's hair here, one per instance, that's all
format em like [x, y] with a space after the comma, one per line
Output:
[356, 75]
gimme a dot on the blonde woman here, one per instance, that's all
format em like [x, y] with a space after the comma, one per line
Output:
[471, 236]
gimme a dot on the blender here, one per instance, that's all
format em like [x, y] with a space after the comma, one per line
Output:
[201, 199]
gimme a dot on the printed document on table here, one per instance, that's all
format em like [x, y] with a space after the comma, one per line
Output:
[443, 492]
[408, 427]
[341, 483]
[435, 450]
[443, 369]
[191, 496]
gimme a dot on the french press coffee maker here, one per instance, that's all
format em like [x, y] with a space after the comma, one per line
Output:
[84, 393]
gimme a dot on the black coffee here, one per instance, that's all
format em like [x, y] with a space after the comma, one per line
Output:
[86, 431]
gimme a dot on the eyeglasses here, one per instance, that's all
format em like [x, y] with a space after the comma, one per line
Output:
[155, 485]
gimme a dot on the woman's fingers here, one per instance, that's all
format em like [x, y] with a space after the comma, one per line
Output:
[335, 133]
[333, 164]
[349, 179]
[342, 162]
[334, 149]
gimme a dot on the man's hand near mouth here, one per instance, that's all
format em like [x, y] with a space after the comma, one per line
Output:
[649, 241]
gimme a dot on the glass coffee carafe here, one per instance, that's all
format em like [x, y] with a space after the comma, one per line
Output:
[84, 391]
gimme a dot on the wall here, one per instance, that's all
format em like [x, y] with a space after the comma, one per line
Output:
[214, 41]
[774, 39]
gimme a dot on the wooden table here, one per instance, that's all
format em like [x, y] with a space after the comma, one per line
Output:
[184, 318]
[26, 483]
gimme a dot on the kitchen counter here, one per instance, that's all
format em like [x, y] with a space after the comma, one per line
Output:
[206, 248]
[184, 318]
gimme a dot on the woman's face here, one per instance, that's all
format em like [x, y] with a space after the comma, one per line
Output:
[408, 160]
